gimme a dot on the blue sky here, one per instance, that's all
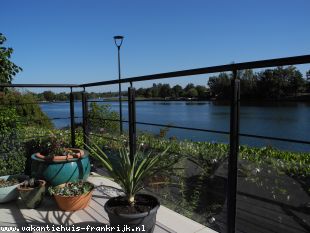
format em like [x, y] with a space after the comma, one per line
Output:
[71, 41]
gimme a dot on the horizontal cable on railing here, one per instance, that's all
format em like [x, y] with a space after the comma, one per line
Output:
[106, 119]
[169, 126]
[101, 101]
[99, 135]
[217, 131]
[63, 118]
[40, 85]
[274, 138]
[40, 103]
[143, 100]
[25, 120]
[185, 128]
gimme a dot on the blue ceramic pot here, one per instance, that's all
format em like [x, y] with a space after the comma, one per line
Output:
[10, 193]
[62, 171]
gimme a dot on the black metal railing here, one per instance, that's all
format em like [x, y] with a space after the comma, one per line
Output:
[234, 113]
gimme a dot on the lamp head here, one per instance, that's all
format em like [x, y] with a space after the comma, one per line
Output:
[118, 40]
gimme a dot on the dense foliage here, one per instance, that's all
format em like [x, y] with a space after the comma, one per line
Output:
[175, 92]
[12, 155]
[7, 68]
[278, 83]
[26, 107]
[102, 118]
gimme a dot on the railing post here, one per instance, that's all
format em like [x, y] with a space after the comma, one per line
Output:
[72, 119]
[132, 121]
[120, 109]
[85, 117]
[233, 153]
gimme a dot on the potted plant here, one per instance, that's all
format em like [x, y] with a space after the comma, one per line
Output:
[72, 196]
[8, 185]
[133, 209]
[55, 163]
[32, 192]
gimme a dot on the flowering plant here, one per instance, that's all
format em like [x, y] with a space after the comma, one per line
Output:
[50, 146]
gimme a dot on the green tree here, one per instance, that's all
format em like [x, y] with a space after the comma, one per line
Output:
[165, 91]
[220, 85]
[176, 91]
[248, 83]
[62, 96]
[155, 90]
[49, 95]
[148, 93]
[203, 92]
[189, 86]
[192, 93]
[307, 83]
[296, 83]
[140, 92]
[280, 82]
[7, 68]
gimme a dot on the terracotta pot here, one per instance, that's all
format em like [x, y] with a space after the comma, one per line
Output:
[73, 203]
[77, 154]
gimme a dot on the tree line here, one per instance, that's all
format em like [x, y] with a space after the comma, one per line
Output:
[277, 83]
[272, 84]
[175, 92]
[160, 90]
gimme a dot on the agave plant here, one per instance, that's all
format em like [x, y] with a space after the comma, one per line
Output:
[129, 174]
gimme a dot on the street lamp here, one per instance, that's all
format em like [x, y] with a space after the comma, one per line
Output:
[118, 40]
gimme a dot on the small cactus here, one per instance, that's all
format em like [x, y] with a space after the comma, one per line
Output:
[31, 183]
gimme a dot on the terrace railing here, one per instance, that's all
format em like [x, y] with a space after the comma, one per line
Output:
[234, 113]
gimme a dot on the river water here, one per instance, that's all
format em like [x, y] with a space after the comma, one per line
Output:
[276, 119]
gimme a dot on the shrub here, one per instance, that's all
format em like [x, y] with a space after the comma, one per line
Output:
[12, 156]
[26, 107]
[103, 119]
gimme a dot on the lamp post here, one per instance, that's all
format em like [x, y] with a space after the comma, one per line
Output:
[118, 40]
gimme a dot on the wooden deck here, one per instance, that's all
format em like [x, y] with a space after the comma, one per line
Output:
[15, 214]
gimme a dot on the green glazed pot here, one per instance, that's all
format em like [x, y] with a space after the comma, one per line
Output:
[32, 197]
[57, 172]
